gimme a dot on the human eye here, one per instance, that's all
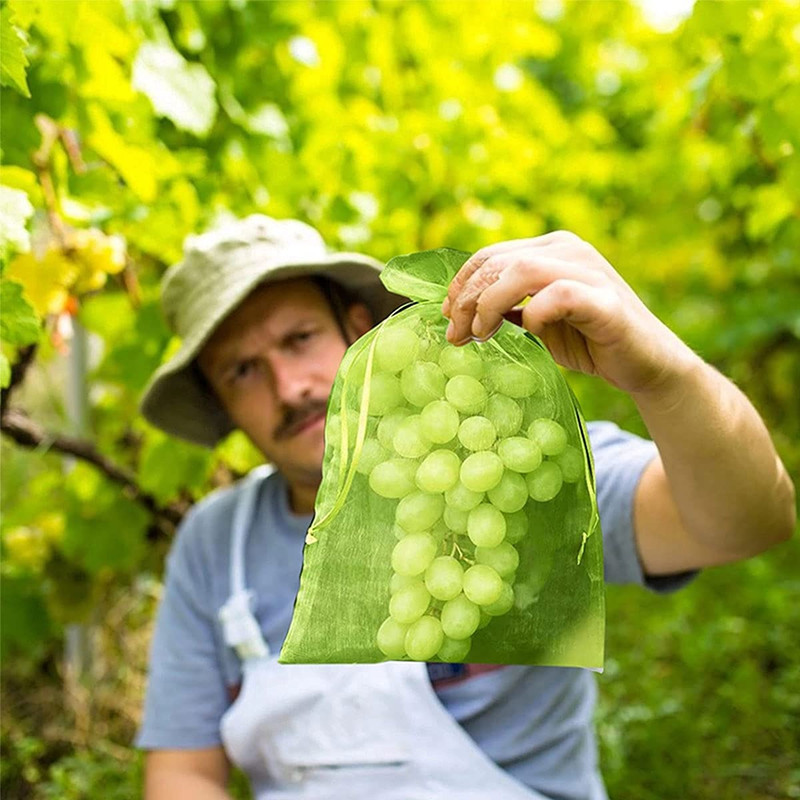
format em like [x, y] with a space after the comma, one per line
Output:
[242, 370]
[301, 337]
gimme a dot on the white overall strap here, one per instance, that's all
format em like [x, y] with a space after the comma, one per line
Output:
[239, 625]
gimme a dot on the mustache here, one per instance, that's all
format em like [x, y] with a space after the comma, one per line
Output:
[295, 417]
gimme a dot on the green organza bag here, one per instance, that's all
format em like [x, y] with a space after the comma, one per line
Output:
[457, 518]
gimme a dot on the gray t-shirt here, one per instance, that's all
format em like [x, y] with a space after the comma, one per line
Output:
[535, 722]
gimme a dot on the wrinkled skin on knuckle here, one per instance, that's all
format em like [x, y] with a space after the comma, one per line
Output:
[479, 257]
[462, 304]
[564, 292]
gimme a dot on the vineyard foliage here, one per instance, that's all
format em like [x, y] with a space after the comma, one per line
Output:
[392, 127]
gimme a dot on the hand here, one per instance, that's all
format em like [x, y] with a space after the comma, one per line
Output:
[584, 312]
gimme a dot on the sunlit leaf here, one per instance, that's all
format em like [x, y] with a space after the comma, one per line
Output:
[180, 90]
[15, 208]
[13, 61]
[18, 323]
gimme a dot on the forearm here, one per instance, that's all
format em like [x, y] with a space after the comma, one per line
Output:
[731, 490]
[186, 774]
[183, 786]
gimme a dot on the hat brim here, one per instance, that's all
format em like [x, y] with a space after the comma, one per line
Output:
[178, 401]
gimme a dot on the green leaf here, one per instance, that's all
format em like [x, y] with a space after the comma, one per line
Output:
[5, 371]
[15, 208]
[167, 466]
[770, 207]
[25, 622]
[13, 60]
[18, 322]
[179, 90]
[104, 531]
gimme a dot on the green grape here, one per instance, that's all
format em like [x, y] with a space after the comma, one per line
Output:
[538, 406]
[571, 463]
[27, 547]
[481, 471]
[443, 578]
[429, 349]
[388, 426]
[486, 526]
[545, 482]
[482, 585]
[372, 454]
[384, 393]
[424, 638]
[485, 620]
[399, 581]
[503, 604]
[409, 441]
[358, 367]
[438, 471]
[466, 394]
[396, 349]
[413, 554]
[455, 519]
[460, 617]
[399, 532]
[461, 498]
[525, 596]
[549, 435]
[439, 531]
[409, 603]
[391, 639]
[440, 421]
[418, 511]
[422, 383]
[519, 454]
[464, 360]
[504, 413]
[517, 525]
[514, 380]
[510, 494]
[503, 559]
[393, 478]
[454, 651]
[333, 428]
[477, 433]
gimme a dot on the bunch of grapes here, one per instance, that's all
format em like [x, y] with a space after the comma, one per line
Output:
[461, 444]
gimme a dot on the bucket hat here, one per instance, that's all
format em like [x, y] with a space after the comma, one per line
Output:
[219, 270]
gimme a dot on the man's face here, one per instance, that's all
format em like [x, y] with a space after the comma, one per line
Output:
[272, 363]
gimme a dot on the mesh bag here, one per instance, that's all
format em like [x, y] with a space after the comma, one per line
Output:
[456, 519]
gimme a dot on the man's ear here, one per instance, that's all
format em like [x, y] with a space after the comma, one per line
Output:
[359, 320]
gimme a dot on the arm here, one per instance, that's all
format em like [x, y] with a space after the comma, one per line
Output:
[186, 774]
[186, 693]
[718, 491]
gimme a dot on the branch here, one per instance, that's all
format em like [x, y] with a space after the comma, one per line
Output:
[18, 371]
[24, 431]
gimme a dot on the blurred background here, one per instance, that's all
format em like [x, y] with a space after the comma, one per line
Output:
[666, 134]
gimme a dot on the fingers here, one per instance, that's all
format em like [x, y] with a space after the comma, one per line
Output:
[595, 311]
[502, 283]
[479, 258]
[518, 281]
[497, 278]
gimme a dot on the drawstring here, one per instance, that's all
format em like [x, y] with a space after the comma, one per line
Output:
[346, 481]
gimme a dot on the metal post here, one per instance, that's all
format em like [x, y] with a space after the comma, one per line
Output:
[78, 637]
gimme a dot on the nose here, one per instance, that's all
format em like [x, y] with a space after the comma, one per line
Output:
[292, 381]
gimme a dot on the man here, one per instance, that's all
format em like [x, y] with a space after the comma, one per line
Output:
[265, 314]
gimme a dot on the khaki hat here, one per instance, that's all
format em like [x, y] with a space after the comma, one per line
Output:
[219, 270]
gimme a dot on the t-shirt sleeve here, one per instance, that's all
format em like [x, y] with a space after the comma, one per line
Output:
[620, 459]
[186, 695]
